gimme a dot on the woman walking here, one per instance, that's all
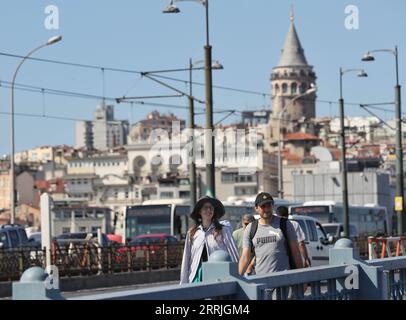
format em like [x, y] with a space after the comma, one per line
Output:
[207, 235]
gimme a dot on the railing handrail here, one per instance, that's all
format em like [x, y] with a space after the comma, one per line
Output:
[227, 288]
[297, 276]
[170, 292]
[391, 263]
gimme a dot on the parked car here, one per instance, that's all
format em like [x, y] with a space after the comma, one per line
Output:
[35, 237]
[336, 230]
[153, 250]
[317, 241]
[115, 238]
[163, 249]
[14, 236]
[81, 238]
[158, 238]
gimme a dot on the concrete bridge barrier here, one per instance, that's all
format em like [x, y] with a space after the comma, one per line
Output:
[347, 277]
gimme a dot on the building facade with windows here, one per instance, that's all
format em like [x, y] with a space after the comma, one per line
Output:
[78, 218]
[104, 132]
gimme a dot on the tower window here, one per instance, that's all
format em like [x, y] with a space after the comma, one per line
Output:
[276, 89]
[284, 88]
[293, 88]
[303, 88]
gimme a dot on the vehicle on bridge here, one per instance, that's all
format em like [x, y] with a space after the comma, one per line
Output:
[172, 217]
[13, 236]
[317, 241]
[336, 230]
[154, 250]
[17, 252]
[367, 220]
[157, 216]
[81, 238]
[250, 202]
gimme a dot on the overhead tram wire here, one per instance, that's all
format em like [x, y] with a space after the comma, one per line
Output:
[72, 64]
[35, 89]
[214, 86]
[97, 67]
[36, 115]
[43, 91]
[29, 88]
[366, 108]
[81, 65]
[42, 116]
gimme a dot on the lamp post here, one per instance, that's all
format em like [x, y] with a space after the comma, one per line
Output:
[209, 139]
[215, 65]
[399, 147]
[312, 89]
[192, 165]
[361, 73]
[12, 167]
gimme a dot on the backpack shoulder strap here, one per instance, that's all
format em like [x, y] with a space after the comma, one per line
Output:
[253, 231]
[283, 222]
[283, 228]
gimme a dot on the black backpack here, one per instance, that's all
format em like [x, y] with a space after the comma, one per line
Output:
[253, 231]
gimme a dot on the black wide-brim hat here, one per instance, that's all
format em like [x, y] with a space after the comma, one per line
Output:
[218, 207]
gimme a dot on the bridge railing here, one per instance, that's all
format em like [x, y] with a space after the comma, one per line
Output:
[280, 286]
[394, 269]
[346, 277]
[317, 283]
[88, 258]
[13, 262]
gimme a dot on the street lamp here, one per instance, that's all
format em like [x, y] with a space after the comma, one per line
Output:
[215, 65]
[209, 139]
[361, 73]
[399, 147]
[312, 89]
[192, 164]
[12, 168]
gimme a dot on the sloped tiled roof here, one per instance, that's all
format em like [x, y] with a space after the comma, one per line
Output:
[291, 158]
[300, 136]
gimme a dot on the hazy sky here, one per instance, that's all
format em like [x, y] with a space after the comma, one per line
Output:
[247, 38]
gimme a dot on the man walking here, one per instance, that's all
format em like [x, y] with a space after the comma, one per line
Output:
[271, 242]
[238, 234]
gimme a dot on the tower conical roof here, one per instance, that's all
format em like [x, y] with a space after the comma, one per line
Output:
[292, 52]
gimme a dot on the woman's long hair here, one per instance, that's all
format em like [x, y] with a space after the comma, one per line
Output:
[217, 228]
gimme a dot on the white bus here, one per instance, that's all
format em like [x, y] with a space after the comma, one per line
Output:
[368, 220]
[250, 201]
[171, 216]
